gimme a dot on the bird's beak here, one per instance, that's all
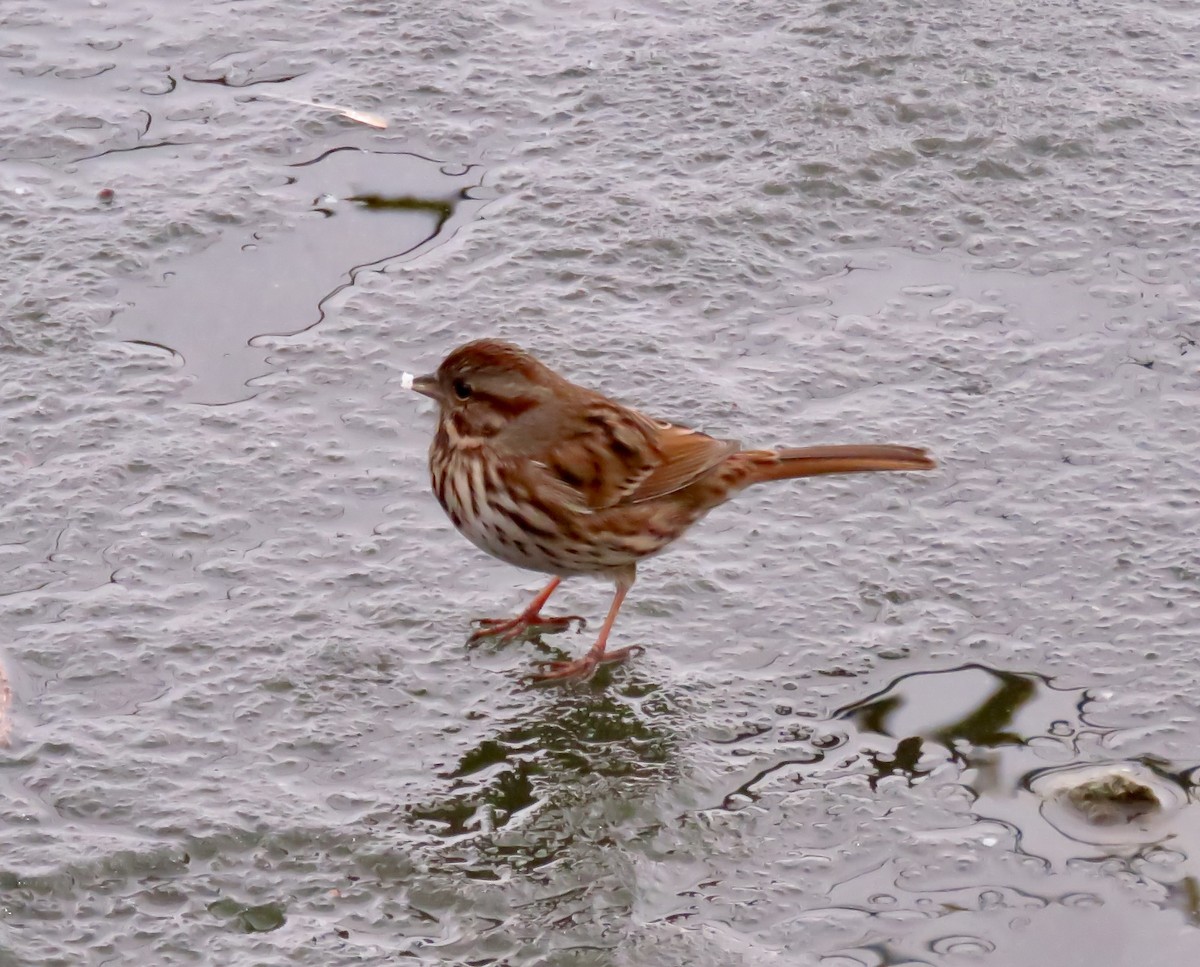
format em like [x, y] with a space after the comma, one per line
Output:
[428, 386]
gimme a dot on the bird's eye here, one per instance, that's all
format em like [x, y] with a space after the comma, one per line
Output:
[462, 389]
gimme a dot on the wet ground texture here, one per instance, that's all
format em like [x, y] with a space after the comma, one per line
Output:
[941, 719]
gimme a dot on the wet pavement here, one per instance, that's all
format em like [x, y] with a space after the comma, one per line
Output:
[241, 722]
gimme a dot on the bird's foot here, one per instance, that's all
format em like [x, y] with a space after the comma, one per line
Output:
[506, 630]
[583, 668]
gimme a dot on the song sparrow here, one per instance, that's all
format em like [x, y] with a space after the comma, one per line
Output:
[557, 478]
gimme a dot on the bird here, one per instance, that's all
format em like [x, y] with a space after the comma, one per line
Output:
[551, 476]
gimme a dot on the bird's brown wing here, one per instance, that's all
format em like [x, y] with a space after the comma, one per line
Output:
[613, 455]
[685, 456]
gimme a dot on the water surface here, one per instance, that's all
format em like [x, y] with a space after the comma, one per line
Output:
[243, 726]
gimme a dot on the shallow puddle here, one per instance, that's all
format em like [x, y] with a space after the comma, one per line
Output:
[353, 211]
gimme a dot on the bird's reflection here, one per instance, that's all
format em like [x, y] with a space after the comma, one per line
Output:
[596, 746]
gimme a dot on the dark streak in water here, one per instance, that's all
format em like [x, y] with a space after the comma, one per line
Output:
[174, 353]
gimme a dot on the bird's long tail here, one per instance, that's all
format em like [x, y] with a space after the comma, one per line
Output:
[757, 466]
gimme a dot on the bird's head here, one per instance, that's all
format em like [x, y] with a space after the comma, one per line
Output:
[483, 386]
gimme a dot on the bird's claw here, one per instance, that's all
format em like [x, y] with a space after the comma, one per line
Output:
[506, 630]
[580, 669]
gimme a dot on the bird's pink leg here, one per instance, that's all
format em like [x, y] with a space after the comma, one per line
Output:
[597, 655]
[531, 619]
